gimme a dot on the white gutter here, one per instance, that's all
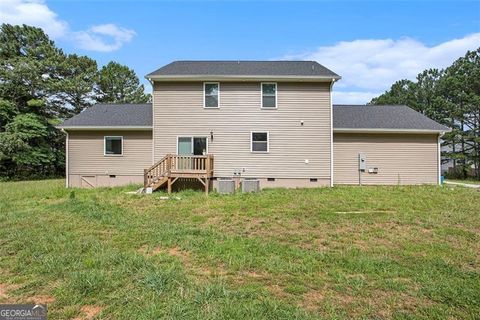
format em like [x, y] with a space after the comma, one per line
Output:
[439, 164]
[147, 128]
[153, 120]
[66, 160]
[240, 78]
[386, 130]
[331, 134]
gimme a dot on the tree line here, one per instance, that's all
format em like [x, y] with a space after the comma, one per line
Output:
[40, 85]
[450, 96]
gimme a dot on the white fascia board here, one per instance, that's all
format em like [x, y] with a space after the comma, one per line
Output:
[96, 128]
[382, 130]
[242, 78]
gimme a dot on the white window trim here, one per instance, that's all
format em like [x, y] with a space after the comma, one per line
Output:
[204, 94]
[251, 141]
[191, 140]
[276, 96]
[105, 146]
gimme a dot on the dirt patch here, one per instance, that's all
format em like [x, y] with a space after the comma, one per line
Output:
[253, 274]
[177, 252]
[208, 271]
[42, 299]
[312, 300]
[5, 288]
[89, 312]
[278, 292]
[146, 251]
[174, 252]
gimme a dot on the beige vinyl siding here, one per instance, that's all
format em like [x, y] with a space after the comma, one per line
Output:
[86, 153]
[404, 158]
[178, 111]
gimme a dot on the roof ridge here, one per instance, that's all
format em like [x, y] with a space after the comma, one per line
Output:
[234, 60]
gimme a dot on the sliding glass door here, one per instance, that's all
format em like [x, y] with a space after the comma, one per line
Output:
[192, 146]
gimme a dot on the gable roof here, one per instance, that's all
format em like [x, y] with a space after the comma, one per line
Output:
[239, 69]
[382, 118]
[125, 116]
[349, 118]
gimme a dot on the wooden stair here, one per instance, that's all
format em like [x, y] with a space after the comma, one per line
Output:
[172, 167]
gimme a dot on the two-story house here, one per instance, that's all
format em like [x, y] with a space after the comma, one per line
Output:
[269, 120]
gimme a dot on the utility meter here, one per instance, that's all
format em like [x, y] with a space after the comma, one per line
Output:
[362, 162]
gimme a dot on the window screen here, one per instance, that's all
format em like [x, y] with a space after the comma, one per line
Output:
[259, 142]
[211, 95]
[269, 95]
[113, 146]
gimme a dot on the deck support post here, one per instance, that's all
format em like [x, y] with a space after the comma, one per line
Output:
[145, 179]
[173, 167]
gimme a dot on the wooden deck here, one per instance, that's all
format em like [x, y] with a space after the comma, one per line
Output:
[173, 167]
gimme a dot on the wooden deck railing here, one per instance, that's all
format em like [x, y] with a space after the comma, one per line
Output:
[179, 166]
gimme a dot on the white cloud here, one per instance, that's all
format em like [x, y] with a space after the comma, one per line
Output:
[353, 97]
[34, 13]
[103, 38]
[375, 64]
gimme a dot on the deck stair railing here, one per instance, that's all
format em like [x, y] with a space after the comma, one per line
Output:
[173, 167]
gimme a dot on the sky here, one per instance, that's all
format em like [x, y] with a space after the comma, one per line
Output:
[371, 44]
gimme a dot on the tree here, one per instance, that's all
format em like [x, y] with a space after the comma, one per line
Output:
[74, 84]
[8, 111]
[28, 59]
[401, 92]
[25, 148]
[451, 97]
[119, 84]
[29, 63]
[462, 95]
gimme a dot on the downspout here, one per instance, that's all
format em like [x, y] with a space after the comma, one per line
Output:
[153, 119]
[66, 160]
[331, 133]
[439, 164]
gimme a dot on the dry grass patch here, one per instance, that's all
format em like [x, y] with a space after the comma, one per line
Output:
[331, 253]
[42, 299]
[89, 312]
[5, 289]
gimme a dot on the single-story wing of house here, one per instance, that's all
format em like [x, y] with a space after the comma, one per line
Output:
[272, 121]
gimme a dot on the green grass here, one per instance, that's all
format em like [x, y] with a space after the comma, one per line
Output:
[341, 253]
[466, 181]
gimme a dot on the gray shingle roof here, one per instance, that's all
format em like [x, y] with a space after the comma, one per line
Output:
[244, 68]
[382, 117]
[344, 117]
[113, 115]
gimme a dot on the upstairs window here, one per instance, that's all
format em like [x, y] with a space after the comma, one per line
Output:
[259, 142]
[113, 146]
[211, 94]
[269, 95]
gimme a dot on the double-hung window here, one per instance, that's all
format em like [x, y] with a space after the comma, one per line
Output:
[113, 146]
[259, 142]
[211, 98]
[269, 95]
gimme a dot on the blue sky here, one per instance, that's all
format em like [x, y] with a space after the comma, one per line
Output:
[371, 44]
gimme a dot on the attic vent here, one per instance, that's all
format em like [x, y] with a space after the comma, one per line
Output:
[313, 67]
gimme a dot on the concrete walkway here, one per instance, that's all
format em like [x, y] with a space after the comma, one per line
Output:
[463, 184]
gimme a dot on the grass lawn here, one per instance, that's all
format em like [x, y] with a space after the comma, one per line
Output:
[466, 181]
[341, 253]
